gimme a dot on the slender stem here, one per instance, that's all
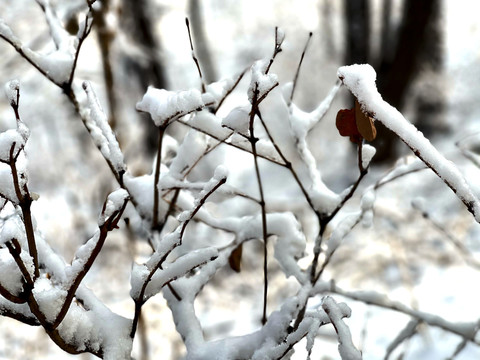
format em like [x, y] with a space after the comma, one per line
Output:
[253, 141]
[295, 79]
[194, 56]
[230, 90]
[81, 39]
[25, 201]
[156, 190]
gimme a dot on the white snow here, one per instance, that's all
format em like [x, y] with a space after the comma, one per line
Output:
[7, 190]
[336, 313]
[302, 122]
[11, 90]
[178, 268]
[7, 33]
[165, 106]
[260, 82]
[238, 119]
[192, 148]
[368, 152]
[115, 201]
[7, 140]
[10, 276]
[49, 297]
[324, 199]
[219, 89]
[343, 228]
[101, 131]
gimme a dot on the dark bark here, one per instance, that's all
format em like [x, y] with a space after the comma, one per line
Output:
[357, 31]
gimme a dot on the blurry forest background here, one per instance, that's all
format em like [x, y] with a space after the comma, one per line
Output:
[427, 60]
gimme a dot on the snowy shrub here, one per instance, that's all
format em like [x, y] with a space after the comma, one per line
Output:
[197, 222]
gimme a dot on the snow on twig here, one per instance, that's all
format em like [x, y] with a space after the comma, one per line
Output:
[167, 106]
[360, 80]
[336, 313]
[466, 330]
[102, 133]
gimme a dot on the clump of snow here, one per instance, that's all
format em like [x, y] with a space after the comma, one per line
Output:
[11, 90]
[261, 83]
[49, 298]
[10, 276]
[290, 245]
[10, 139]
[238, 119]
[165, 106]
[368, 152]
[192, 148]
[207, 122]
[57, 65]
[178, 268]
[221, 172]
[7, 190]
[342, 230]
[115, 201]
[138, 276]
[219, 89]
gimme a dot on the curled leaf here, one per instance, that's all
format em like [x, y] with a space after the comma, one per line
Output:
[355, 124]
[346, 126]
[364, 123]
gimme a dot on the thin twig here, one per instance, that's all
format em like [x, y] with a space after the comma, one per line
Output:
[287, 164]
[81, 39]
[110, 224]
[230, 90]
[25, 202]
[325, 220]
[295, 79]
[457, 243]
[253, 141]
[224, 141]
[156, 190]
[194, 56]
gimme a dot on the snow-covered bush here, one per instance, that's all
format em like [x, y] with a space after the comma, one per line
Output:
[197, 221]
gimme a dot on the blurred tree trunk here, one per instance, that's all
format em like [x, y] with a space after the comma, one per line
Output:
[200, 40]
[357, 17]
[326, 16]
[400, 57]
[430, 102]
[147, 70]
[105, 36]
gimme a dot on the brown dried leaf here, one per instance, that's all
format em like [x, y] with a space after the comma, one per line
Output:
[346, 125]
[364, 123]
[235, 258]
